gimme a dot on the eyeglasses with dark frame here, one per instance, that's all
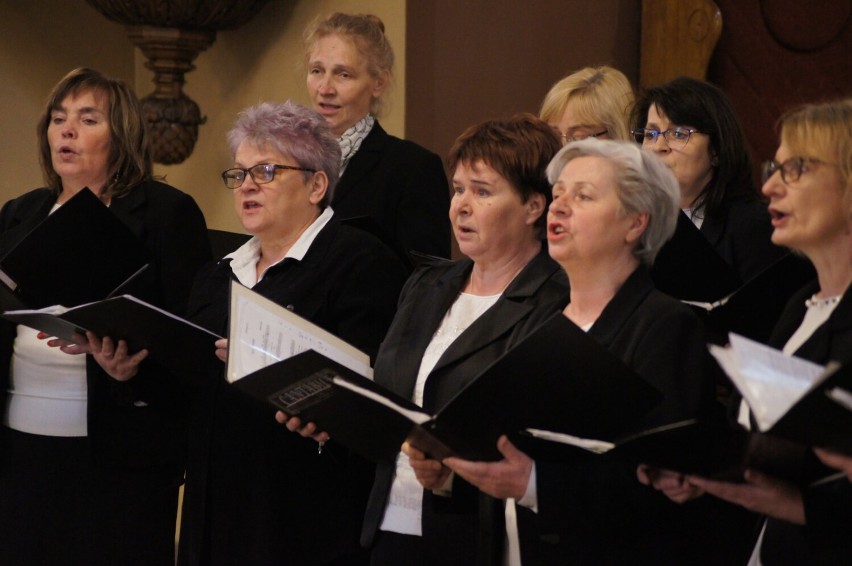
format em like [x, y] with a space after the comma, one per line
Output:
[791, 169]
[676, 138]
[261, 174]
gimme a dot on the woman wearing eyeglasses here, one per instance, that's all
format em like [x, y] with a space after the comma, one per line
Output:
[691, 125]
[594, 102]
[256, 494]
[809, 186]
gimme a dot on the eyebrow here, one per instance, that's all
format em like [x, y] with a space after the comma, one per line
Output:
[84, 110]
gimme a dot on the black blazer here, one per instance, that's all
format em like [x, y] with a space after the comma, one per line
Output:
[255, 492]
[450, 523]
[742, 235]
[828, 507]
[403, 187]
[597, 512]
[139, 424]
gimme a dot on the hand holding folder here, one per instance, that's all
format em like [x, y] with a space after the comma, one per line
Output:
[556, 378]
[170, 340]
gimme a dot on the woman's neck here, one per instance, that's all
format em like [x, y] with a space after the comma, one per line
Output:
[594, 286]
[274, 248]
[492, 278]
[833, 264]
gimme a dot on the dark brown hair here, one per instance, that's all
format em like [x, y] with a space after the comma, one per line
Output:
[518, 148]
[130, 160]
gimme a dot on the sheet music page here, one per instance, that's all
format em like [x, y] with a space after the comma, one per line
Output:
[770, 381]
[263, 332]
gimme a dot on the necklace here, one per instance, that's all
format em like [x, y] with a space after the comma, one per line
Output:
[828, 301]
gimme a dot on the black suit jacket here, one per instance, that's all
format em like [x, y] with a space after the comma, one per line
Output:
[597, 512]
[139, 424]
[450, 523]
[255, 492]
[828, 507]
[742, 235]
[401, 186]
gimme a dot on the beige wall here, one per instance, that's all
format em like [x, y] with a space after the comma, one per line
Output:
[40, 40]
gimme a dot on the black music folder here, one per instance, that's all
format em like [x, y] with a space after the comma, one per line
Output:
[715, 450]
[689, 269]
[172, 341]
[80, 253]
[753, 309]
[793, 403]
[557, 378]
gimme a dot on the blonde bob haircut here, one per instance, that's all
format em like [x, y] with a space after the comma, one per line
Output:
[599, 95]
[823, 132]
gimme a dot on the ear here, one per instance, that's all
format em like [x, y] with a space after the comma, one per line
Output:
[535, 207]
[382, 82]
[637, 227]
[318, 185]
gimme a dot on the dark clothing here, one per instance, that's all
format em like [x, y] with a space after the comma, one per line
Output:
[742, 235]
[255, 492]
[403, 187]
[450, 524]
[597, 512]
[136, 430]
[828, 507]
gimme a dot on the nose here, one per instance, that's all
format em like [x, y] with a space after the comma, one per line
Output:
[461, 203]
[559, 206]
[326, 87]
[660, 144]
[248, 184]
[773, 185]
[68, 131]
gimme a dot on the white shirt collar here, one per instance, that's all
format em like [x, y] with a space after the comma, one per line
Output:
[244, 259]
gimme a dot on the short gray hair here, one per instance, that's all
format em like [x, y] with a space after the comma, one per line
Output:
[294, 130]
[644, 184]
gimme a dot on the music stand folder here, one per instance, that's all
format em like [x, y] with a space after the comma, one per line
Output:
[557, 378]
[79, 254]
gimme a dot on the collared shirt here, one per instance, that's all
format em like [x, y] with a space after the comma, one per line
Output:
[244, 259]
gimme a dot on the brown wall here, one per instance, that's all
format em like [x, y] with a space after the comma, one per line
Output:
[479, 59]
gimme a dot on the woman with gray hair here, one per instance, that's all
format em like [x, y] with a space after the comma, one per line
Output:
[613, 207]
[256, 494]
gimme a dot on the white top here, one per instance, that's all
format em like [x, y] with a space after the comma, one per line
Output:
[696, 215]
[405, 502]
[48, 394]
[244, 259]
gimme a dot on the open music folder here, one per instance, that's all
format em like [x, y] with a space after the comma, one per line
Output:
[262, 332]
[557, 378]
[171, 340]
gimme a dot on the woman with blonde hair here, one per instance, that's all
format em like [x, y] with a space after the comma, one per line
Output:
[593, 102]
